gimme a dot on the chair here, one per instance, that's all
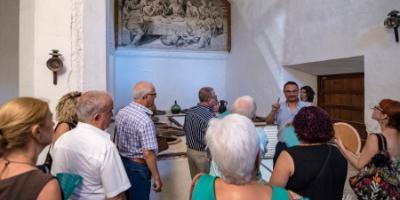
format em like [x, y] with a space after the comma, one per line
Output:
[349, 136]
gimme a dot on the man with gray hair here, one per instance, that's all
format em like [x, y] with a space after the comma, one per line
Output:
[88, 151]
[245, 106]
[137, 142]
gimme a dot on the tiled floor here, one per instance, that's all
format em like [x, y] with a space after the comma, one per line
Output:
[176, 178]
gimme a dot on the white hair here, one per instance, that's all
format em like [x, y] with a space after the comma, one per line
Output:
[141, 89]
[245, 105]
[92, 103]
[234, 146]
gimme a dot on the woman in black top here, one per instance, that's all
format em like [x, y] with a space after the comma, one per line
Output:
[66, 114]
[313, 169]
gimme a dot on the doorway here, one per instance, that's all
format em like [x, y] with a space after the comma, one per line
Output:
[342, 96]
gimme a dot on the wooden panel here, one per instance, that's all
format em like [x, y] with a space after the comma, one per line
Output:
[342, 96]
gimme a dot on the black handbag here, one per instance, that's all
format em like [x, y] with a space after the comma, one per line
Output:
[46, 166]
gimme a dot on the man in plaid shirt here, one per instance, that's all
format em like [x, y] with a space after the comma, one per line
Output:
[137, 142]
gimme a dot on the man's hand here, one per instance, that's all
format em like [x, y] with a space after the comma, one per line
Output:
[276, 106]
[157, 185]
[271, 116]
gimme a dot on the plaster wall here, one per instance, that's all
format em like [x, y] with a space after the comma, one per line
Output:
[256, 62]
[77, 28]
[9, 22]
[335, 29]
[270, 35]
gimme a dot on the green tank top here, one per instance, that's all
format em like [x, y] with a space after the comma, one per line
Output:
[205, 190]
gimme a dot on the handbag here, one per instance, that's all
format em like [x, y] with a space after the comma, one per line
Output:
[380, 178]
[46, 166]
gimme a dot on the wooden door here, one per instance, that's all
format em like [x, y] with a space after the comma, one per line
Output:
[342, 96]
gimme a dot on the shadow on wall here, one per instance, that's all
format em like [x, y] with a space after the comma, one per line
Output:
[254, 66]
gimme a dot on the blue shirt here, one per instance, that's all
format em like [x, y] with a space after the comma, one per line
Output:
[285, 116]
[136, 131]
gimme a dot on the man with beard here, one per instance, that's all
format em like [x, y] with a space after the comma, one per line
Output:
[282, 113]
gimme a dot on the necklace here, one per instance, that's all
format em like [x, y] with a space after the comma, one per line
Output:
[17, 162]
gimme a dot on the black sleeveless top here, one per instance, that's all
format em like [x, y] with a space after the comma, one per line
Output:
[27, 185]
[71, 125]
[308, 162]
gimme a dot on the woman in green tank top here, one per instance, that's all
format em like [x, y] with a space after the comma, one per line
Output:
[234, 146]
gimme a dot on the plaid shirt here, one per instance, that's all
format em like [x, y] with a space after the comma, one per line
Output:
[136, 131]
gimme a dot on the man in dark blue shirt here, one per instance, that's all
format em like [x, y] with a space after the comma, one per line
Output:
[195, 127]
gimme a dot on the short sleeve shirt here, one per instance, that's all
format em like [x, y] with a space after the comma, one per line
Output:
[285, 116]
[89, 152]
[136, 131]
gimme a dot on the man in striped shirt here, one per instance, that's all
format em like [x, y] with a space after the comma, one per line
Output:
[137, 142]
[195, 127]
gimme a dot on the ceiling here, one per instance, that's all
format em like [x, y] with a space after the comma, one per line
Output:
[333, 66]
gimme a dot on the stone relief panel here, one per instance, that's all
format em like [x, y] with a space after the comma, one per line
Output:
[200, 25]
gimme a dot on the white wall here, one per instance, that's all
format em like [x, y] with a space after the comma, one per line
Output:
[9, 22]
[75, 27]
[258, 49]
[268, 35]
[176, 75]
[334, 29]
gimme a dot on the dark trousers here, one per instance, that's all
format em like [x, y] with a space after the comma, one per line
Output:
[280, 146]
[140, 177]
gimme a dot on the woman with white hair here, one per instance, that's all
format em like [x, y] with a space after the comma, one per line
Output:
[234, 146]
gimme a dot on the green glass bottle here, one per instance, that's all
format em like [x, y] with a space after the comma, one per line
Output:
[175, 109]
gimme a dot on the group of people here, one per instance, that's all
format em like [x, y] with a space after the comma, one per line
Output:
[229, 146]
[316, 168]
[79, 146]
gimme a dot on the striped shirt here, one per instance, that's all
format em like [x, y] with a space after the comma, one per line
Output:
[195, 126]
[136, 131]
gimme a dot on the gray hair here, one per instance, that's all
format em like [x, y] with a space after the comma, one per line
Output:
[234, 146]
[91, 103]
[245, 105]
[141, 89]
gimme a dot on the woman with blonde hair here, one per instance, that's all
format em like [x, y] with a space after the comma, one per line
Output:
[26, 127]
[66, 114]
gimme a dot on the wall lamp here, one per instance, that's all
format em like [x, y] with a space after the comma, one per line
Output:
[392, 21]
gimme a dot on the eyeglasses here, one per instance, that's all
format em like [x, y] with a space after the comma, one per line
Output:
[378, 108]
[290, 91]
[153, 94]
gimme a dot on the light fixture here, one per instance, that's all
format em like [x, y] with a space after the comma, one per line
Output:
[393, 21]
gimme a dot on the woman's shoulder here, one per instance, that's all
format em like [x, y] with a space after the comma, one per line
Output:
[256, 191]
[32, 182]
[39, 177]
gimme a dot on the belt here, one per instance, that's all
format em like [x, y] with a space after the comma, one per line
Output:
[138, 160]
